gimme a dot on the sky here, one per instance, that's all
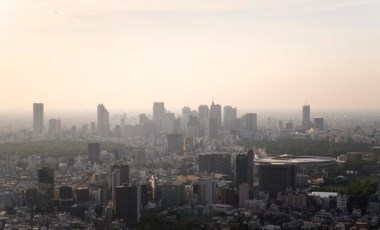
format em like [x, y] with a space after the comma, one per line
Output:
[126, 54]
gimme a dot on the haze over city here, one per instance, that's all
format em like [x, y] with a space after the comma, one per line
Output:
[251, 54]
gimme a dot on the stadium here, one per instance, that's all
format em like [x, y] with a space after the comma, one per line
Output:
[303, 161]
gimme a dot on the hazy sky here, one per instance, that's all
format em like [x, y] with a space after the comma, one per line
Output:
[72, 54]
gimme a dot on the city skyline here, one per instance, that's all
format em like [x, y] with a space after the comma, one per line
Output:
[253, 55]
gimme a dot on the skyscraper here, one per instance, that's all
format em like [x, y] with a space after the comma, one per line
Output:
[124, 172]
[241, 169]
[229, 118]
[276, 178]
[158, 114]
[93, 150]
[250, 121]
[127, 204]
[38, 118]
[319, 124]
[215, 163]
[216, 113]
[103, 121]
[306, 123]
[250, 168]
[54, 126]
[203, 113]
[45, 189]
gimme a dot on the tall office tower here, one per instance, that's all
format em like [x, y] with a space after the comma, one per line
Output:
[93, 150]
[206, 189]
[229, 118]
[241, 169]
[168, 123]
[203, 113]
[319, 124]
[38, 118]
[158, 114]
[216, 112]
[250, 168]
[103, 121]
[306, 122]
[250, 121]
[65, 198]
[192, 128]
[175, 142]
[119, 177]
[127, 204]
[82, 195]
[186, 112]
[123, 173]
[212, 128]
[54, 126]
[143, 119]
[171, 195]
[45, 189]
[215, 163]
[276, 178]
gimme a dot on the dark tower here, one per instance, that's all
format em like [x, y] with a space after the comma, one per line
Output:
[45, 189]
[94, 152]
[241, 169]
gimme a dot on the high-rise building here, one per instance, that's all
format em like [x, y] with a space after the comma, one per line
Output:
[216, 112]
[143, 119]
[306, 122]
[212, 128]
[276, 178]
[229, 118]
[93, 150]
[250, 167]
[168, 123]
[241, 169]
[319, 124]
[243, 194]
[127, 204]
[215, 163]
[82, 195]
[45, 189]
[54, 126]
[65, 198]
[171, 195]
[103, 121]
[175, 142]
[203, 113]
[124, 172]
[250, 121]
[38, 118]
[244, 166]
[158, 114]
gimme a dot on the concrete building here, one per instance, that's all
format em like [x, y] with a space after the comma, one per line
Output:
[306, 122]
[103, 120]
[215, 163]
[241, 169]
[93, 151]
[128, 204]
[250, 122]
[319, 124]
[216, 112]
[45, 189]
[203, 114]
[159, 114]
[229, 118]
[38, 118]
[276, 178]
